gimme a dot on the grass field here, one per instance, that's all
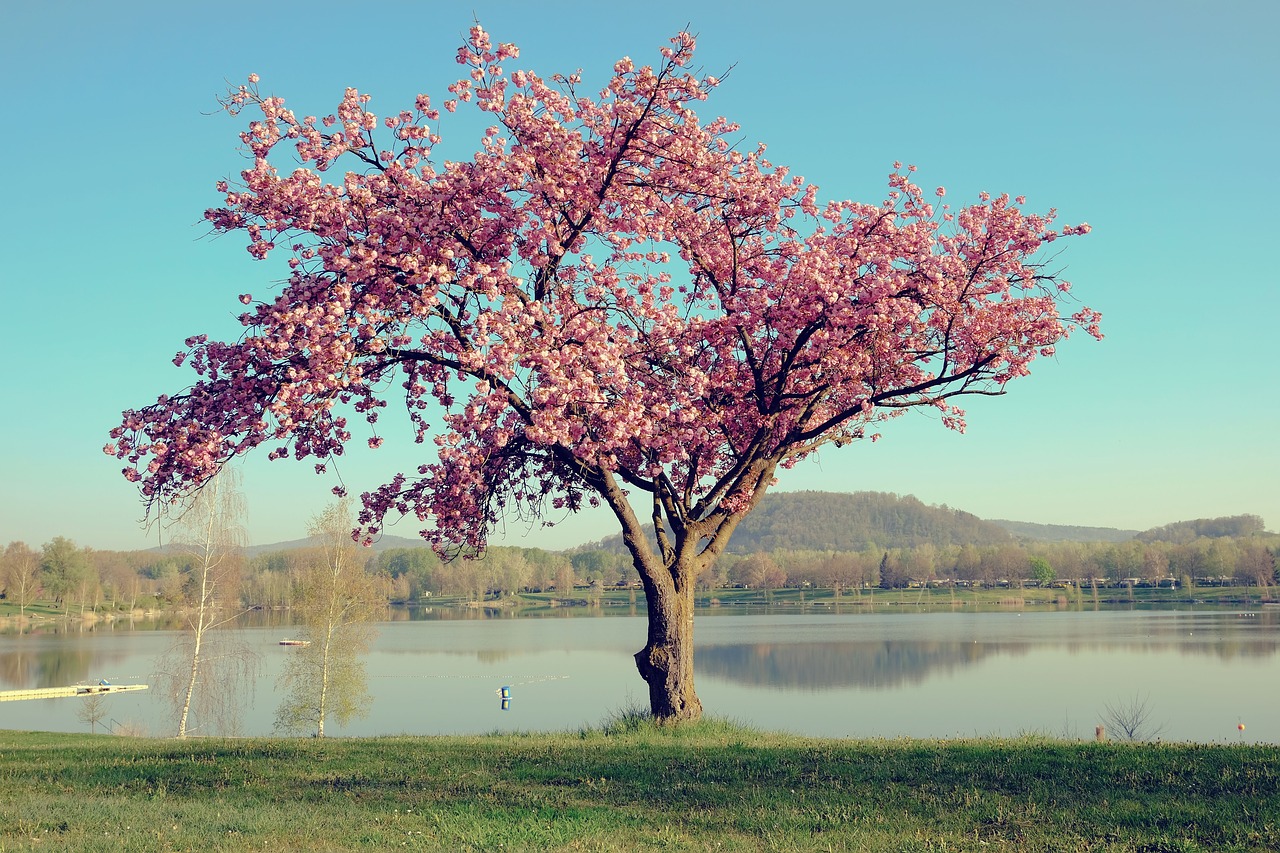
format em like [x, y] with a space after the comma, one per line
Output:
[629, 786]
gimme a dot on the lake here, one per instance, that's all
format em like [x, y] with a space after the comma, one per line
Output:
[852, 674]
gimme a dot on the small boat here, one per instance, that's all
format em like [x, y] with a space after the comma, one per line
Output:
[295, 642]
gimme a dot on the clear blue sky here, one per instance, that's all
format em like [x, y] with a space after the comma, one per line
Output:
[1156, 122]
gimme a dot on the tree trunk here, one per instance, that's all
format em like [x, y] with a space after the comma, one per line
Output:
[190, 686]
[670, 578]
[197, 641]
[666, 661]
[324, 675]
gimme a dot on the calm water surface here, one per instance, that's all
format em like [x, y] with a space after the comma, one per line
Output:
[857, 675]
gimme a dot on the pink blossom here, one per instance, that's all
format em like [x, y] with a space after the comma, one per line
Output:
[612, 296]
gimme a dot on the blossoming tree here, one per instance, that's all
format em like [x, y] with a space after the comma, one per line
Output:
[610, 303]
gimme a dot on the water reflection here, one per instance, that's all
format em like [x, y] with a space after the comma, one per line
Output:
[44, 665]
[794, 662]
[830, 666]
[436, 670]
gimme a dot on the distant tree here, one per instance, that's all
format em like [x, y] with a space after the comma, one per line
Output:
[1041, 571]
[1257, 565]
[1004, 563]
[1189, 558]
[1155, 563]
[712, 577]
[774, 576]
[170, 577]
[20, 574]
[118, 579]
[612, 300]
[892, 574]
[849, 570]
[209, 669]
[93, 708]
[270, 580]
[800, 567]
[336, 603]
[565, 580]
[507, 570]
[1068, 560]
[416, 567]
[543, 566]
[466, 578]
[969, 563]
[920, 563]
[596, 564]
[1220, 556]
[759, 571]
[64, 570]
[1123, 560]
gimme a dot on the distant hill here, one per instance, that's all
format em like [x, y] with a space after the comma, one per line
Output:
[841, 521]
[1211, 528]
[1063, 532]
[837, 521]
[851, 522]
[384, 543]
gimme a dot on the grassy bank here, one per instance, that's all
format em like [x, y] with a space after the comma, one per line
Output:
[816, 600]
[930, 598]
[707, 787]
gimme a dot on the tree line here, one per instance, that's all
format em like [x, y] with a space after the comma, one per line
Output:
[1243, 561]
[79, 579]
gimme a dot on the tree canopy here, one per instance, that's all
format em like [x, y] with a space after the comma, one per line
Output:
[528, 291]
[610, 299]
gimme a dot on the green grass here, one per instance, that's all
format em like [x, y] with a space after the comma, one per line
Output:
[36, 610]
[627, 785]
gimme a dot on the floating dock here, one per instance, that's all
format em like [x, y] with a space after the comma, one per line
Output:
[73, 690]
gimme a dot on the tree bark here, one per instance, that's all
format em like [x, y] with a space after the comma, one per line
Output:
[197, 641]
[669, 577]
[666, 661]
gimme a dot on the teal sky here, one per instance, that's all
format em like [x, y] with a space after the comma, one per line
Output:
[1156, 122]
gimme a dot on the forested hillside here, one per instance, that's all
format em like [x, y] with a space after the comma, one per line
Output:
[1209, 528]
[852, 522]
[1063, 532]
[836, 521]
[385, 542]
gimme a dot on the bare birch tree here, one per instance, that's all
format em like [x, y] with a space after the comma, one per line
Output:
[20, 574]
[335, 602]
[208, 671]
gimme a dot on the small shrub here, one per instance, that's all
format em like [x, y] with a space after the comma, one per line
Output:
[1131, 719]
